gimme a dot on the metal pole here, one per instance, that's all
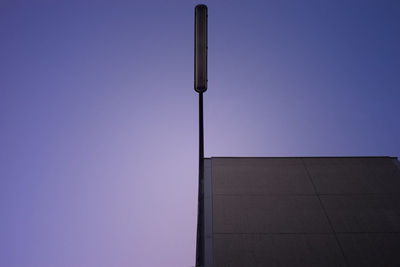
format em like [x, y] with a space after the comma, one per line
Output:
[200, 211]
[200, 86]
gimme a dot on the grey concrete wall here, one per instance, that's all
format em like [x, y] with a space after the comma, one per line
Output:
[305, 212]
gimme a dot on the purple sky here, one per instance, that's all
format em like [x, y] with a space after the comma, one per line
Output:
[98, 116]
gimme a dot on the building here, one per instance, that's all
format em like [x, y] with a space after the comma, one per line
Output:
[301, 211]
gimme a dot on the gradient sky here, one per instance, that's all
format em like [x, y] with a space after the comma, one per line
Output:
[98, 116]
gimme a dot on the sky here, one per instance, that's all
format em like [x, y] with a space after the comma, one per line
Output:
[98, 115]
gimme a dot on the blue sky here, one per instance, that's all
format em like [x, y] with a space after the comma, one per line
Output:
[98, 116]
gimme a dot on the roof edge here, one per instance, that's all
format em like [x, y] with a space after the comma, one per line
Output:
[298, 157]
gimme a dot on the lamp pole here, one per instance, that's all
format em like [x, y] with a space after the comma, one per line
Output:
[200, 86]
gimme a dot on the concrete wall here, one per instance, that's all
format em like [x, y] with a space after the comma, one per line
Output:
[304, 212]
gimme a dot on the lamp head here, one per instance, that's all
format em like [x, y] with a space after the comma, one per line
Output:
[200, 49]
